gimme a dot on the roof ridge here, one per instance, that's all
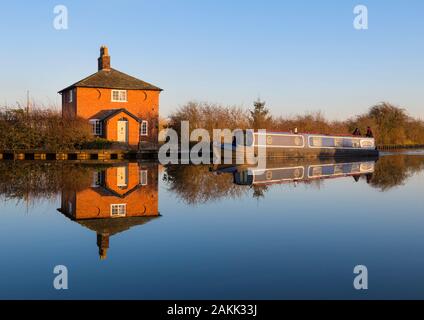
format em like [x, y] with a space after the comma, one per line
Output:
[113, 79]
[137, 79]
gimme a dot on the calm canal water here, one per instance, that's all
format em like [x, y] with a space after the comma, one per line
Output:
[143, 231]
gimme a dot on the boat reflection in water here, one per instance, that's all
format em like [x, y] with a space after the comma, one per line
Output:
[120, 197]
[300, 171]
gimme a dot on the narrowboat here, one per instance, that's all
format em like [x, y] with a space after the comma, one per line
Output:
[301, 145]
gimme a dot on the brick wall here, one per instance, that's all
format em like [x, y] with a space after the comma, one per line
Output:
[69, 109]
[90, 204]
[142, 103]
[111, 129]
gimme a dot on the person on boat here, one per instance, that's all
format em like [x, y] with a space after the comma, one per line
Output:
[357, 132]
[370, 134]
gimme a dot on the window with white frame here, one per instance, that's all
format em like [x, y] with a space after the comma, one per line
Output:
[118, 210]
[144, 128]
[70, 95]
[96, 127]
[143, 177]
[97, 179]
[119, 95]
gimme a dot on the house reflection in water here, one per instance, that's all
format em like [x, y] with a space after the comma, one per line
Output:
[119, 198]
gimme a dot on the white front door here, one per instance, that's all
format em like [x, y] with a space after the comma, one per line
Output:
[122, 131]
[122, 177]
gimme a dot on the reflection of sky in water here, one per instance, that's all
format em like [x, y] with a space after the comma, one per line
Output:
[297, 242]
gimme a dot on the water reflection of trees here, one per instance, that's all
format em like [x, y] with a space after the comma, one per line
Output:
[198, 184]
[392, 171]
[32, 181]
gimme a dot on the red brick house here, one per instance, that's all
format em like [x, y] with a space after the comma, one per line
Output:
[119, 107]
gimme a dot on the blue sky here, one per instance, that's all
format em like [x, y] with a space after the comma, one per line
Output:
[299, 55]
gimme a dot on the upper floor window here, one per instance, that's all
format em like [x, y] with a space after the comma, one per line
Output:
[96, 127]
[70, 96]
[144, 131]
[119, 95]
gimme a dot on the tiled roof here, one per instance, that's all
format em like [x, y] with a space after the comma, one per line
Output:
[113, 79]
[114, 226]
[105, 191]
[103, 115]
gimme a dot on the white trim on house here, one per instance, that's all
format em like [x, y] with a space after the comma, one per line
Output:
[96, 127]
[122, 177]
[118, 210]
[122, 128]
[144, 128]
[119, 96]
[71, 96]
[143, 177]
[97, 179]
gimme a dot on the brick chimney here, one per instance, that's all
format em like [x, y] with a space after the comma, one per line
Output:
[104, 59]
[103, 244]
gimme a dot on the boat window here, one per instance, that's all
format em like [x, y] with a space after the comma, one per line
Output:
[316, 142]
